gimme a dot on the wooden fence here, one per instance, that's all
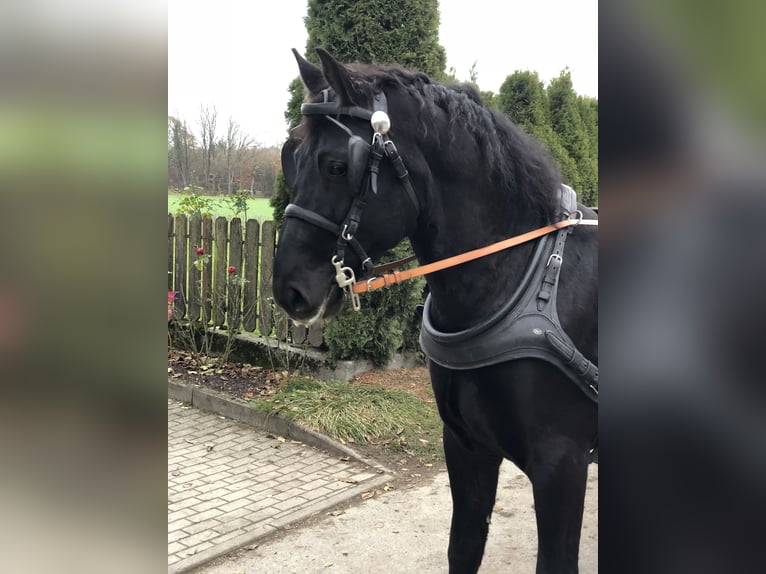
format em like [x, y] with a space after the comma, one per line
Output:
[242, 299]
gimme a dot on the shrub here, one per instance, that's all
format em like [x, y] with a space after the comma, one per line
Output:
[280, 199]
[194, 203]
[385, 325]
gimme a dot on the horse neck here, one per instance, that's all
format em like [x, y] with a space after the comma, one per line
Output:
[466, 215]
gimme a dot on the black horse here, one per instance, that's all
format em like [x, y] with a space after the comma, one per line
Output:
[453, 175]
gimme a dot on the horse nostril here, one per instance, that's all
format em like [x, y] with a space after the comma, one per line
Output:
[295, 303]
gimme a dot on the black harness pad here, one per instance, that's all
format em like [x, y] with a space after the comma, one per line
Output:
[526, 326]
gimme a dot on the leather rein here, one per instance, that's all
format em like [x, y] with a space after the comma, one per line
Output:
[383, 146]
[399, 276]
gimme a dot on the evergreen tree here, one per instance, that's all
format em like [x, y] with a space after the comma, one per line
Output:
[568, 124]
[523, 99]
[280, 199]
[588, 108]
[297, 96]
[401, 32]
[404, 32]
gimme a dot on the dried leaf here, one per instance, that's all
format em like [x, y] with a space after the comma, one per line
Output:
[367, 495]
[345, 458]
[336, 512]
[349, 480]
[328, 564]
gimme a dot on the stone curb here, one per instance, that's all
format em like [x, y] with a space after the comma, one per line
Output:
[240, 411]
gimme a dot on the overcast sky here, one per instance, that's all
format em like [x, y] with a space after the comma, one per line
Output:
[235, 54]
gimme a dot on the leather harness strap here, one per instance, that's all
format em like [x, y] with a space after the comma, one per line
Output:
[399, 276]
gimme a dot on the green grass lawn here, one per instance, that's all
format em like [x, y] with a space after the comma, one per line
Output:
[258, 207]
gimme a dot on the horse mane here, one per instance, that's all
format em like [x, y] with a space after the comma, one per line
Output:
[515, 161]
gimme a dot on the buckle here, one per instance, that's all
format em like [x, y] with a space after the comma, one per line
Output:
[553, 256]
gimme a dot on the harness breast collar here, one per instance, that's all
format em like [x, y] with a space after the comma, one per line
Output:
[527, 325]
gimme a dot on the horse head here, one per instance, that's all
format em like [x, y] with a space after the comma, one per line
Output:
[347, 202]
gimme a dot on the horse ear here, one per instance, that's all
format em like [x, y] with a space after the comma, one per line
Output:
[338, 77]
[311, 75]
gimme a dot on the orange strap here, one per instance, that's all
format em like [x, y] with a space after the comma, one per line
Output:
[399, 276]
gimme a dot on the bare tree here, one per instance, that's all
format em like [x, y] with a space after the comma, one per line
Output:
[234, 145]
[207, 121]
[181, 140]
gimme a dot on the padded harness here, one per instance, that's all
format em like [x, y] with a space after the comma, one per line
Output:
[527, 325]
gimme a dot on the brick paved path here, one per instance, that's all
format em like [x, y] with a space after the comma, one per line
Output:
[229, 484]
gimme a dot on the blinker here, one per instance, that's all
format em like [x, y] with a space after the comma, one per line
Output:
[358, 154]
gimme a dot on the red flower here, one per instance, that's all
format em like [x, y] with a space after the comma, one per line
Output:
[232, 269]
[200, 251]
[171, 298]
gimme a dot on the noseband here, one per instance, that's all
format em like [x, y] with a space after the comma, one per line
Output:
[363, 166]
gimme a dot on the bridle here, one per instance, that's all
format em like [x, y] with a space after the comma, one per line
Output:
[364, 180]
[362, 170]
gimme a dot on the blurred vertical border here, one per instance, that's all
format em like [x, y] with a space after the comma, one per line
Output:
[682, 178]
[82, 195]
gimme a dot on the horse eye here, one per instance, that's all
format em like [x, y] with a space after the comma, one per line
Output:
[337, 168]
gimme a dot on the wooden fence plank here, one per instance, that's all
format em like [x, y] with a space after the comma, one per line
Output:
[179, 284]
[170, 252]
[266, 301]
[195, 230]
[281, 324]
[233, 314]
[207, 270]
[316, 335]
[219, 271]
[300, 334]
[250, 289]
[313, 336]
[227, 246]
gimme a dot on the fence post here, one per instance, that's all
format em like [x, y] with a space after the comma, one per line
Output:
[235, 260]
[250, 289]
[207, 270]
[170, 252]
[194, 274]
[266, 301]
[219, 271]
[180, 266]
